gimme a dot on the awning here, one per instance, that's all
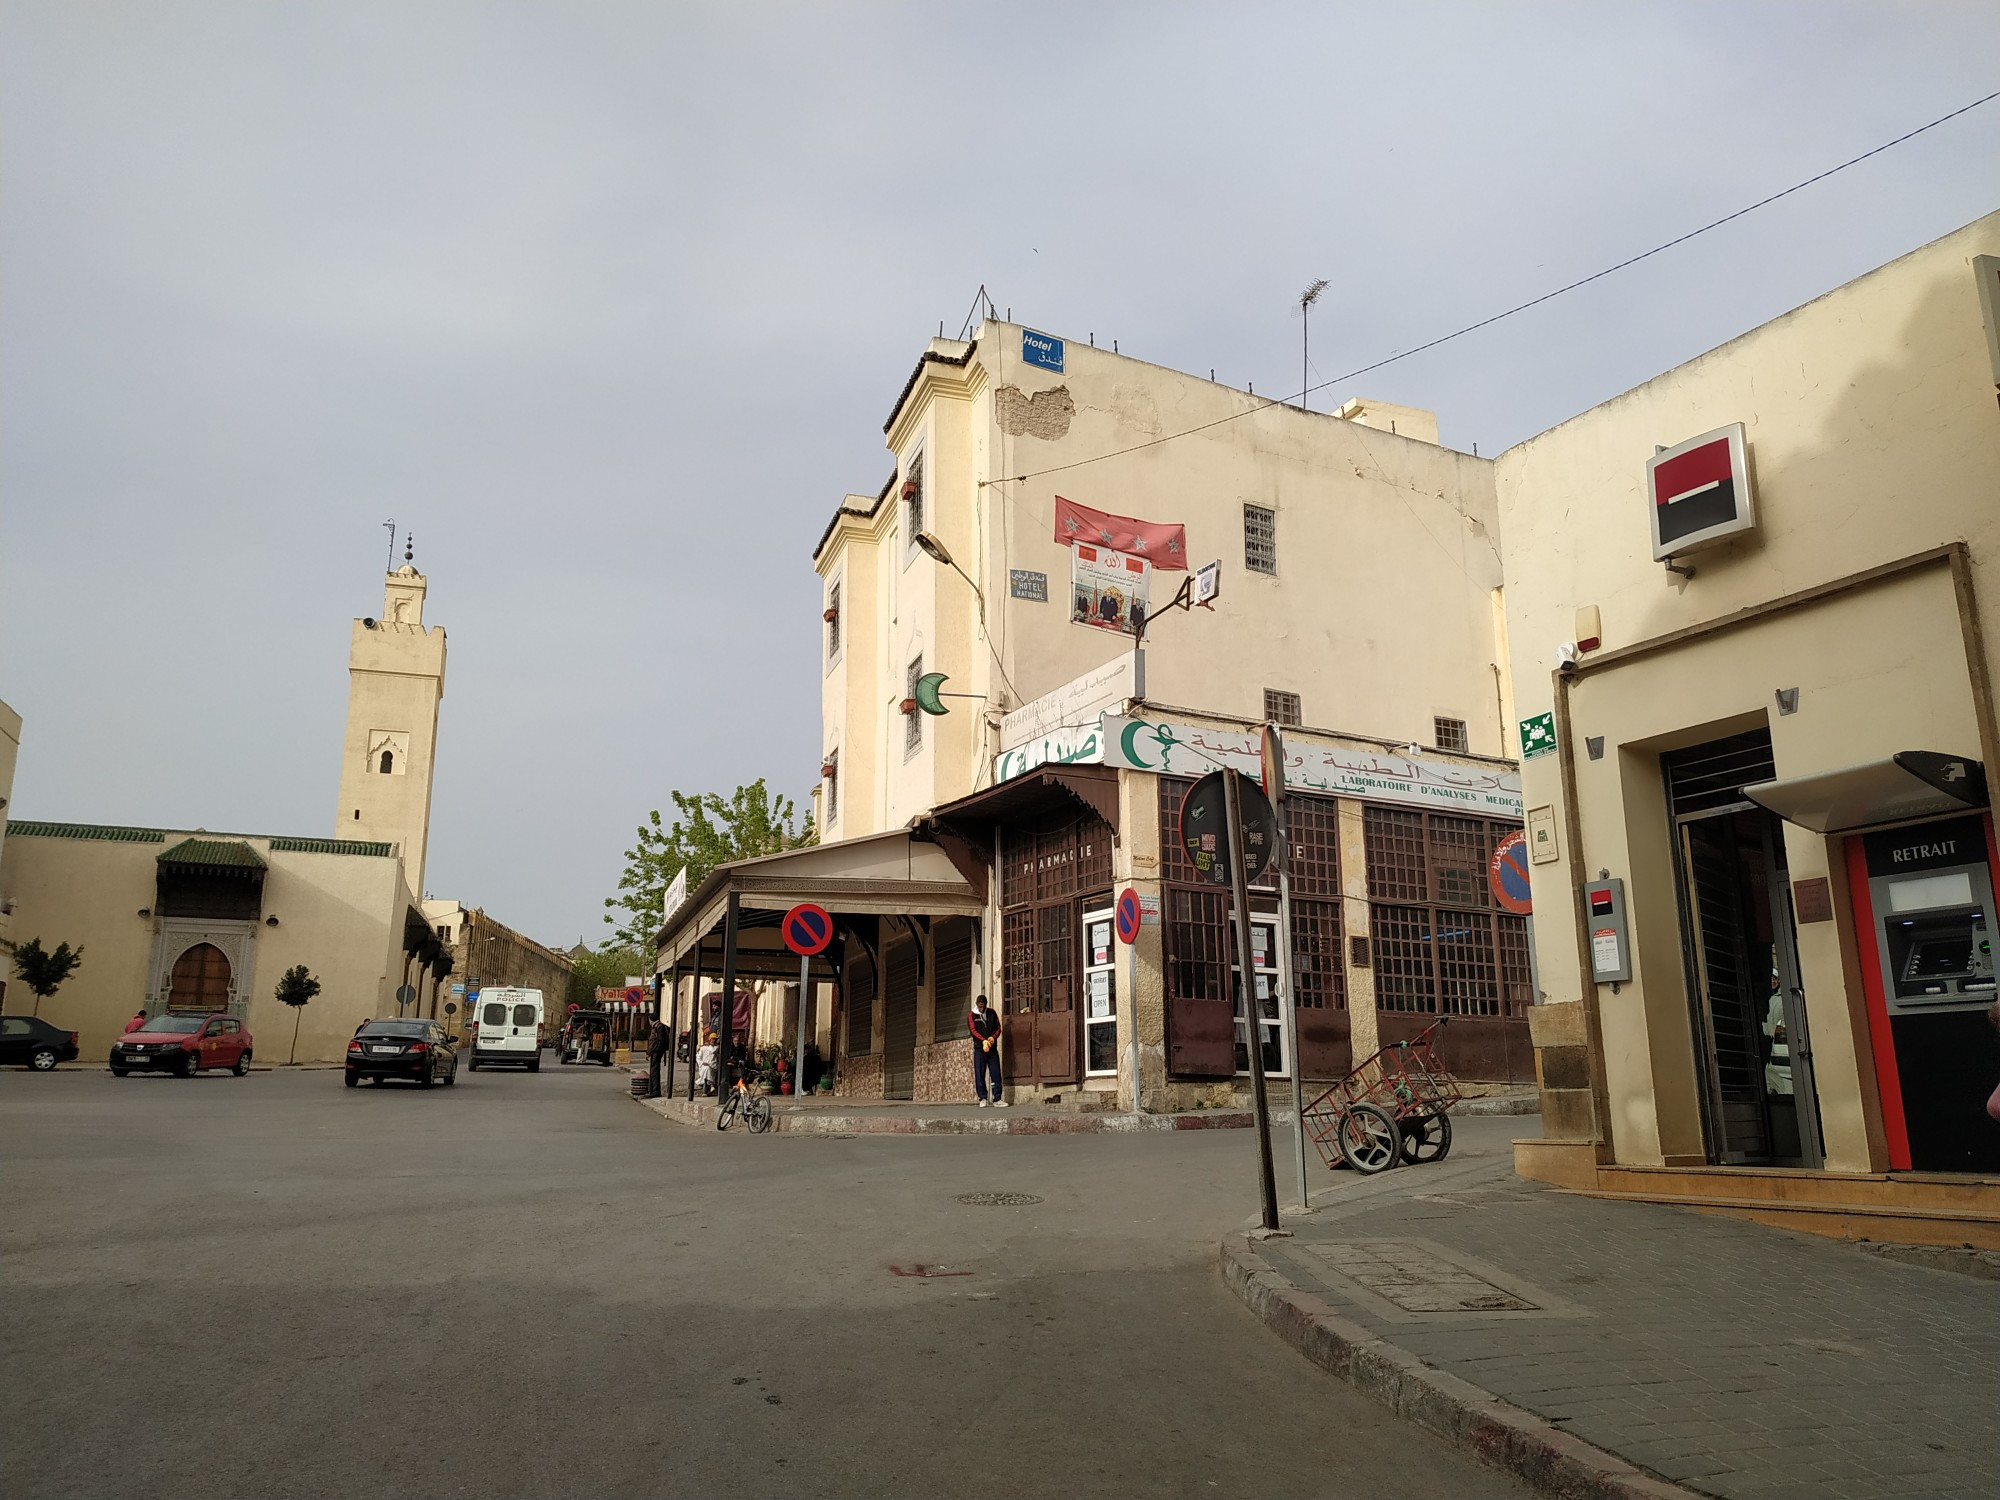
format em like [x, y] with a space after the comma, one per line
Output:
[1094, 787]
[1910, 784]
[883, 875]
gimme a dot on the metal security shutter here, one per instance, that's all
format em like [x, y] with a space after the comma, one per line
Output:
[954, 980]
[1710, 777]
[859, 997]
[899, 1022]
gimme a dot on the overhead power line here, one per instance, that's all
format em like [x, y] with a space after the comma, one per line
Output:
[1510, 312]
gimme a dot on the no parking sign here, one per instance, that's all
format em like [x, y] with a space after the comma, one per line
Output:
[1508, 874]
[807, 929]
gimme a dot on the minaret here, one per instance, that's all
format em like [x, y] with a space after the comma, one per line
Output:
[395, 671]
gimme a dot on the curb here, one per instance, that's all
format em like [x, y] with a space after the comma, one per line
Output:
[702, 1113]
[1553, 1461]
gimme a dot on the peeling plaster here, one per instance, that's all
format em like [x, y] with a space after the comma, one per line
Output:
[1045, 415]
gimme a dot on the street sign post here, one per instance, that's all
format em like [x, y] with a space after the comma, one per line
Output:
[807, 929]
[1205, 829]
[1272, 746]
[1507, 877]
[1128, 914]
[1239, 858]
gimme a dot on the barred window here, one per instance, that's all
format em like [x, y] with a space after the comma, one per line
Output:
[1198, 946]
[1440, 946]
[832, 769]
[1281, 707]
[1260, 539]
[1174, 865]
[1058, 855]
[1449, 734]
[1318, 975]
[913, 502]
[833, 619]
[1313, 825]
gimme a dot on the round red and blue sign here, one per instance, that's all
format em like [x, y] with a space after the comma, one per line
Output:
[1508, 875]
[1128, 915]
[807, 929]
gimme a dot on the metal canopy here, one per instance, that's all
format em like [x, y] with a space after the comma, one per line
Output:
[1910, 784]
[886, 874]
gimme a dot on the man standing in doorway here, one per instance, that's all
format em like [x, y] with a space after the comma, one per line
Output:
[985, 1027]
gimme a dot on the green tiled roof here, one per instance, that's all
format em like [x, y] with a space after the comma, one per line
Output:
[227, 853]
[22, 828]
[331, 846]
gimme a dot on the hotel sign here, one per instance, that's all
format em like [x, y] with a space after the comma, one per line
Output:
[1382, 776]
[1700, 492]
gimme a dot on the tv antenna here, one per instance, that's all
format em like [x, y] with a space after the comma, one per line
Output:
[1306, 299]
[391, 525]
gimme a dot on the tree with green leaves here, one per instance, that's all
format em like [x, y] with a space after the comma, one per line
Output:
[43, 970]
[708, 830]
[296, 989]
[604, 968]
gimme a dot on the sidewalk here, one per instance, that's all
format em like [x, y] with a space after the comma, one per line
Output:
[826, 1115]
[1599, 1348]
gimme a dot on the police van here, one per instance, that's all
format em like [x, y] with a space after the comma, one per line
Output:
[507, 1031]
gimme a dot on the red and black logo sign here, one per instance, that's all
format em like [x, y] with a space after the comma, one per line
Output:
[1700, 491]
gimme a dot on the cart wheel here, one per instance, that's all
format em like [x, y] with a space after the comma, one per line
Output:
[1427, 1138]
[1369, 1139]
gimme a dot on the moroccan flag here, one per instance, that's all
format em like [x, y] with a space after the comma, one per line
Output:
[1162, 545]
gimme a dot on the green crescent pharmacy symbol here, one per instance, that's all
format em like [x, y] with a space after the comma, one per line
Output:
[926, 692]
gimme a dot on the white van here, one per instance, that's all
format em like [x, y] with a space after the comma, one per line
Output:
[508, 1028]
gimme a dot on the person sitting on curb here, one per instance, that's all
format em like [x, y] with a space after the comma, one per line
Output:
[985, 1027]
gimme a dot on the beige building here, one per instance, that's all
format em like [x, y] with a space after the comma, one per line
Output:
[487, 952]
[985, 849]
[188, 919]
[1751, 605]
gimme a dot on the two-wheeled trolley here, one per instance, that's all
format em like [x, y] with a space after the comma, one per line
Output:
[1392, 1108]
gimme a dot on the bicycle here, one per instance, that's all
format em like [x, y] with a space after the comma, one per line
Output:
[754, 1108]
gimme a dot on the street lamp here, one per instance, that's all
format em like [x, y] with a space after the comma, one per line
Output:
[937, 552]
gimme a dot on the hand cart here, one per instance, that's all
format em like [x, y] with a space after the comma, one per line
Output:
[1392, 1108]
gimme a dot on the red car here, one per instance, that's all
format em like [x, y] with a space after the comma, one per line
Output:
[183, 1045]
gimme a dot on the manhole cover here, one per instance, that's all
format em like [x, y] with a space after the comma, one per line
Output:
[998, 1200]
[1417, 1280]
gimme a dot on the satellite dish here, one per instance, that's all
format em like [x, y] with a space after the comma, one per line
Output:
[369, 621]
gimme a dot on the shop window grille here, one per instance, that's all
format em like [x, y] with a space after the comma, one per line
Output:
[913, 721]
[951, 994]
[1450, 734]
[1017, 965]
[1403, 975]
[1198, 947]
[860, 1001]
[1313, 825]
[1457, 852]
[1707, 778]
[1281, 707]
[1517, 981]
[1174, 865]
[1468, 965]
[1260, 539]
[1318, 976]
[1064, 854]
[1395, 844]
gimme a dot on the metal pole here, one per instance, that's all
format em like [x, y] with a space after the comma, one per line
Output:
[1290, 1004]
[673, 1029]
[805, 1029]
[694, 1022]
[725, 1022]
[1239, 885]
[652, 1053]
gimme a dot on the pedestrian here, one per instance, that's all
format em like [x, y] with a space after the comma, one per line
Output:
[138, 1022]
[984, 1025]
[704, 1062]
[656, 1056]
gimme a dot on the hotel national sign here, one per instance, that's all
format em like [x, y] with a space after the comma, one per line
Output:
[1340, 770]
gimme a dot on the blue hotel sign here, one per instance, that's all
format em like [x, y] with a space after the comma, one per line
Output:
[1041, 351]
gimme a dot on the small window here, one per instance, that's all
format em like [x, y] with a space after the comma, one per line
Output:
[494, 1014]
[832, 786]
[1281, 707]
[913, 500]
[444, 934]
[388, 766]
[524, 1015]
[1450, 734]
[913, 721]
[1260, 539]
[833, 620]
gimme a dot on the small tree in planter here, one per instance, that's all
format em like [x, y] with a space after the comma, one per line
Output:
[43, 970]
[296, 989]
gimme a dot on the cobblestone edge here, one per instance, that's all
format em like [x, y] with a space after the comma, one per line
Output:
[1542, 1455]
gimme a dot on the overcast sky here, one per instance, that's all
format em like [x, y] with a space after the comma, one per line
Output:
[608, 303]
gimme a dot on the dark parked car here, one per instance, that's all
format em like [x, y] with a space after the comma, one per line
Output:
[183, 1045]
[421, 1051]
[31, 1042]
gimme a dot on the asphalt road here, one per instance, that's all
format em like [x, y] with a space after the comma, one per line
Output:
[529, 1285]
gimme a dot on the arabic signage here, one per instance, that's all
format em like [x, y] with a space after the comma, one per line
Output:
[1026, 583]
[1384, 776]
[1074, 745]
[1076, 703]
[1041, 350]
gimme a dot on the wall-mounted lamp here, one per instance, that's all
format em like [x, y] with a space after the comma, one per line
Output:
[1788, 700]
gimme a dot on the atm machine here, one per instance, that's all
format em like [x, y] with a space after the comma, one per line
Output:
[1929, 918]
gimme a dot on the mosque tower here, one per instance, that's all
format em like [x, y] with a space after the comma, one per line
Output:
[395, 670]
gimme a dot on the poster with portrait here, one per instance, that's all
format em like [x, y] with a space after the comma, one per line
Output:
[1108, 589]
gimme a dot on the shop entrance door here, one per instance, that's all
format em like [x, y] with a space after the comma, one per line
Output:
[1100, 995]
[1038, 1002]
[1741, 951]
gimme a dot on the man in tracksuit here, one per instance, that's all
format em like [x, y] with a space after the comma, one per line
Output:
[984, 1024]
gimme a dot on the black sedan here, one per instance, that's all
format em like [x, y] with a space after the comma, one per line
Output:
[420, 1051]
[31, 1042]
